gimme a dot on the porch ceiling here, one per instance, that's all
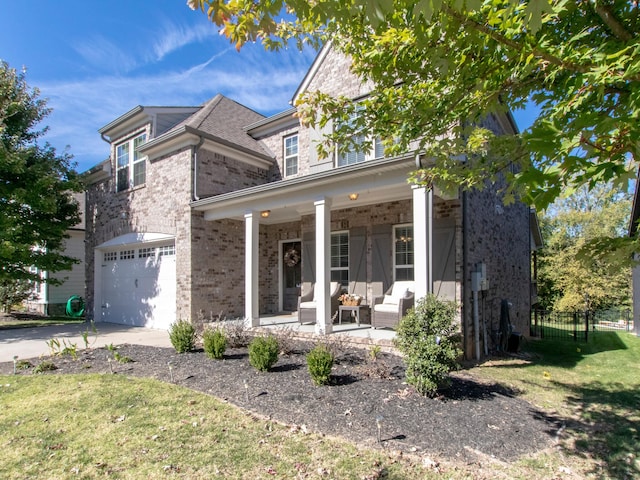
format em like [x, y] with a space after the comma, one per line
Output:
[375, 181]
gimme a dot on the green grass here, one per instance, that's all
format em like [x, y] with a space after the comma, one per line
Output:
[109, 426]
[593, 389]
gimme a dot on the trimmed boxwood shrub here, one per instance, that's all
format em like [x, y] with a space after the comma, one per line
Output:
[215, 343]
[183, 336]
[263, 352]
[429, 338]
[320, 363]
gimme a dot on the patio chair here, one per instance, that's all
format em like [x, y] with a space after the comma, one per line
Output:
[388, 309]
[307, 303]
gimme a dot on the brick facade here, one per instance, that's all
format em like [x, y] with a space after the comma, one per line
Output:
[210, 254]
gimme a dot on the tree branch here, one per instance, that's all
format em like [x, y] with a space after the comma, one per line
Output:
[610, 20]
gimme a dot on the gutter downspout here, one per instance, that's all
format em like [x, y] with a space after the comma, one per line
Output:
[194, 156]
[465, 255]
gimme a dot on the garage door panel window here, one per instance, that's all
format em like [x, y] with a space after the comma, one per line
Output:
[146, 252]
[167, 250]
[110, 256]
[127, 254]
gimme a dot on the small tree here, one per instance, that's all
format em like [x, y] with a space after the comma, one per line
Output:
[36, 184]
[428, 337]
[13, 292]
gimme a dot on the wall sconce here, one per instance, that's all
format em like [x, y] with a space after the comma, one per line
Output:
[353, 196]
[265, 213]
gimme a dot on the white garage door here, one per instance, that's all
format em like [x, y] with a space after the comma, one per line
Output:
[138, 286]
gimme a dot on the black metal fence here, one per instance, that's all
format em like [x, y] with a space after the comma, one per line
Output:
[578, 326]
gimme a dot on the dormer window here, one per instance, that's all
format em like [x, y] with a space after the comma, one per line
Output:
[130, 164]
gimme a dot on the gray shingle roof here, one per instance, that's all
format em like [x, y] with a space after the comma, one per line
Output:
[226, 119]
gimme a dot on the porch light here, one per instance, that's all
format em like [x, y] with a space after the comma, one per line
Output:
[353, 196]
[265, 213]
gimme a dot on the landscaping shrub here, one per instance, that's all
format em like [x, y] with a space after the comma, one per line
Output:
[215, 343]
[320, 362]
[236, 333]
[183, 336]
[263, 352]
[429, 339]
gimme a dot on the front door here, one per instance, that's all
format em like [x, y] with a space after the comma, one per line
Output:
[291, 275]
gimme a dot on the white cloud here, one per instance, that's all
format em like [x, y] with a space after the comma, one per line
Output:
[105, 55]
[172, 37]
[264, 82]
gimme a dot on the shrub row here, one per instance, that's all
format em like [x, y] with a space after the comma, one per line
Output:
[427, 336]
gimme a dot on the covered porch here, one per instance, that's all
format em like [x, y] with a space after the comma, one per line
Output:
[353, 333]
[315, 206]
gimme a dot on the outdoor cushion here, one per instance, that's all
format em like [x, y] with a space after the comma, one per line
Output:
[386, 307]
[390, 300]
[308, 304]
[333, 289]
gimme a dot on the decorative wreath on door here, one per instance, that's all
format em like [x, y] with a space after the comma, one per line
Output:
[291, 257]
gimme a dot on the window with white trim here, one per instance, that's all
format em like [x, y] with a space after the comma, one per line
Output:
[340, 258]
[290, 155]
[403, 252]
[130, 164]
[369, 147]
[110, 256]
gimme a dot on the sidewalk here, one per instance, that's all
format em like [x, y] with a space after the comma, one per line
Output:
[31, 342]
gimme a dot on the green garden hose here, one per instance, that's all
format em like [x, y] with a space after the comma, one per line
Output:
[75, 306]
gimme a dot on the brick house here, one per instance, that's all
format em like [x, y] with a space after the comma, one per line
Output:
[203, 209]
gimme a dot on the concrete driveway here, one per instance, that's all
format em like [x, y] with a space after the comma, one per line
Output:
[31, 342]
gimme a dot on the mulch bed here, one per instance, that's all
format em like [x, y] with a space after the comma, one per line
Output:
[470, 422]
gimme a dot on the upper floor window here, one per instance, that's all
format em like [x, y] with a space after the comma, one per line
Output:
[290, 155]
[403, 252]
[340, 258]
[368, 148]
[130, 164]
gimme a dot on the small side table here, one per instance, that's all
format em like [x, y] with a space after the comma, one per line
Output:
[354, 310]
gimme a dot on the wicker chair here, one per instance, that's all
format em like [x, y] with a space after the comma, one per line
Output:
[307, 303]
[388, 309]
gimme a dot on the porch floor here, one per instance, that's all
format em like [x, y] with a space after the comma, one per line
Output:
[362, 336]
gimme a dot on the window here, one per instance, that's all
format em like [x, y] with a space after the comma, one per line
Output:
[130, 164]
[290, 155]
[167, 250]
[127, 254]
[146, 252]
[340, 258]
[110, 256]
[403, 252]
[368, 149]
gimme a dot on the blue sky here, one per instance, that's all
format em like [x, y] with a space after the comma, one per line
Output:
[94, 61]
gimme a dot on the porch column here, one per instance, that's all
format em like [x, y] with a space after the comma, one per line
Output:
[323, 266]
[423, 240]
[251, 227]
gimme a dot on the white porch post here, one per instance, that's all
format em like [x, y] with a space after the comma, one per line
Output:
[252, 226]
[423, 240]
[323, 266]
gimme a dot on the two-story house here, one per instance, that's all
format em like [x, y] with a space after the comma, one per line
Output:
[218, 209]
